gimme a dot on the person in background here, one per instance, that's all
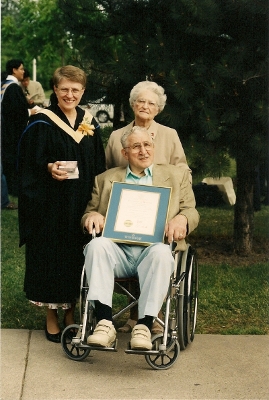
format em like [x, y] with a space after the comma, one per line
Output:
[147, 99]
[14, 118]
[59, 155]
[154, 264]
[33, 90]
[5, 202]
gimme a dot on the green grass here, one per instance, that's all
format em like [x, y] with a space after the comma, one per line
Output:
[218, 222]
[232, 299]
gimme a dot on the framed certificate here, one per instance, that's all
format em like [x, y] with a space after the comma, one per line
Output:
[136, 214]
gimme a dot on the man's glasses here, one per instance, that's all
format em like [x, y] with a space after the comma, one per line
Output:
[143, 102]
[137, 147]
[67, 90]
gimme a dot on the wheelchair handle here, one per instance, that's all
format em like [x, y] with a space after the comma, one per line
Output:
[173, 245]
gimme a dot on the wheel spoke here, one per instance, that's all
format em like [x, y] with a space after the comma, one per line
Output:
[163, 360]
[73, 351]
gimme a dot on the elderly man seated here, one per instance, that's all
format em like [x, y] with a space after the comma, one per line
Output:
[153, 265]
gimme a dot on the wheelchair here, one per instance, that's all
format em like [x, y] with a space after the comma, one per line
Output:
[179, 316]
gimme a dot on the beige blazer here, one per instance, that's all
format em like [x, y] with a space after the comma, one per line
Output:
[168, 148]
[182, 198]
[36, 92]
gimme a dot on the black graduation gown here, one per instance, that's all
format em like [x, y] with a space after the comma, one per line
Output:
[14, 118]
[50, 211]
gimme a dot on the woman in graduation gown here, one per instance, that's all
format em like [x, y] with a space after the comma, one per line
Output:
[52, 199]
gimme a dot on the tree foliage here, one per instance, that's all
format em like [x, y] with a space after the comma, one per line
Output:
[209, 55]
[36, 29]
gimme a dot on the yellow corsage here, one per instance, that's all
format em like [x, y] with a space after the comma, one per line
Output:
[85, 127]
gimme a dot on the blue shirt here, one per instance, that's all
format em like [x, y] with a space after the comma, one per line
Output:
[139, 180]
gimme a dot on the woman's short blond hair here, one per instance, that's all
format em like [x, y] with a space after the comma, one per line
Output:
[71, 73]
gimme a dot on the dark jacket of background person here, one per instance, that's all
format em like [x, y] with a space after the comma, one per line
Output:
[50, 211]
[14, 118]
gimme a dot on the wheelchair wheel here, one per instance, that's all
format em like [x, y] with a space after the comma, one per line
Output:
[73, 351]
[165, 360]
[188, 299]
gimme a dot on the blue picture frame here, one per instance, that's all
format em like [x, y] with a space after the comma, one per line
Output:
[137, 214]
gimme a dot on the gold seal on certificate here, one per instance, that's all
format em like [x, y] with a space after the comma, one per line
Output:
[128, 223]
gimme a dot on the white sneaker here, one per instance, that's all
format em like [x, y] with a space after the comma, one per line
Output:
[141, 338]
[104, 334]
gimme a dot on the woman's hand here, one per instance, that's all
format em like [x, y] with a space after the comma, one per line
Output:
[94, 220]
[176, 228]
[57, 173]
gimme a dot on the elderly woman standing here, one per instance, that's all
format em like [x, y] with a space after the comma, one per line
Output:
[53, 195]
[147, 99]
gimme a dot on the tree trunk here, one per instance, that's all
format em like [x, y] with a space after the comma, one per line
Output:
[244, 211]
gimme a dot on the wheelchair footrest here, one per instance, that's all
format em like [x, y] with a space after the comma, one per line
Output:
[99, 348]
[141, 352]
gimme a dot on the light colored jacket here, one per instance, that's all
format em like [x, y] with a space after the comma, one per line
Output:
[167, 146]
[35, 92]
[182, 198]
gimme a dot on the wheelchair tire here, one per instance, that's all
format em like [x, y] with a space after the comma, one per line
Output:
[83, 293]
[74, 352]
[187, 300]
[163, 361]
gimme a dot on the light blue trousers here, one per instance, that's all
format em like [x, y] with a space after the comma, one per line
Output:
[153, 265]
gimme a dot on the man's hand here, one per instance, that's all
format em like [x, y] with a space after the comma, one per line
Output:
[94, 220]
[176, 229]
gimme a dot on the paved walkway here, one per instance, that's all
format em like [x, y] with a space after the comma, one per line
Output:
[212, 367]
